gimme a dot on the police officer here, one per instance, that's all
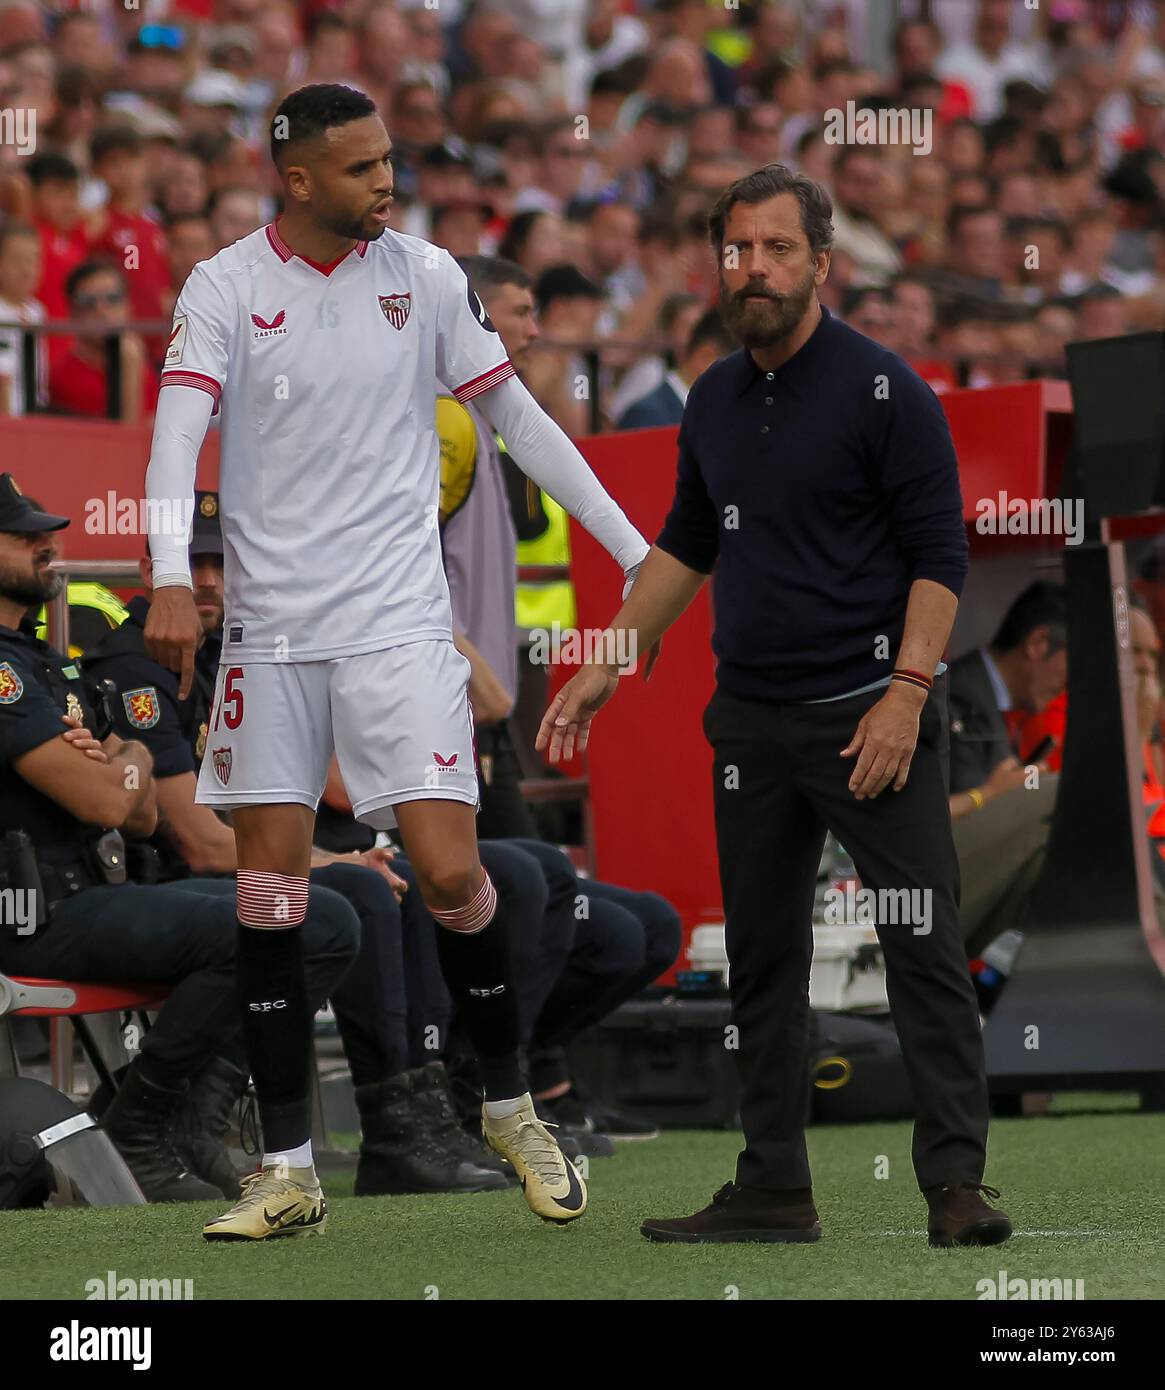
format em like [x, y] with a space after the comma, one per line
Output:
[66, 797]
[410, 1139]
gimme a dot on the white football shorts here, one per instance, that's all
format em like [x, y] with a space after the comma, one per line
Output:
[398, 719]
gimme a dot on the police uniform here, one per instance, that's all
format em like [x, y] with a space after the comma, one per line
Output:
[97, 929]
[145, 706]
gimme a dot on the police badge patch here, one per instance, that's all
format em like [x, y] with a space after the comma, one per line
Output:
[141, 707]
[73, 708]
[395, 308]
[11, 686]
[222, 764]
[200, 744]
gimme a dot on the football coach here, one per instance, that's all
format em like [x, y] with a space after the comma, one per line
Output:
[818, 485]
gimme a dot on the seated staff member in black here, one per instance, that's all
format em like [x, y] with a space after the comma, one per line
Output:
[818, 479]
[73, 795]
[410, 1140]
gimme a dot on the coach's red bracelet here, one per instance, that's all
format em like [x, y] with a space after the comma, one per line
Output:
[915, 678]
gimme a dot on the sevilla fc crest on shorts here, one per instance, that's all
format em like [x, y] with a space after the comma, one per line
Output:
[222, 764]
[395, 308]
[141, 707]
[11, 686]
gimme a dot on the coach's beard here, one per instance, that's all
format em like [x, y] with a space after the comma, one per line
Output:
[757, 325]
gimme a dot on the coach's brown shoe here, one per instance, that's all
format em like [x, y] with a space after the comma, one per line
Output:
[741, 1214]
[960, 1216]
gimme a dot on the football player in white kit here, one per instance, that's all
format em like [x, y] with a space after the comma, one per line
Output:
[325, 338]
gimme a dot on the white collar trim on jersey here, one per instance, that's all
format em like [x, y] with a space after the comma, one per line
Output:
[285, 253]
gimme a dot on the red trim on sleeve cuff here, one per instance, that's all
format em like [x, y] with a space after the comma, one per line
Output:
[197, 380]
[494, 377]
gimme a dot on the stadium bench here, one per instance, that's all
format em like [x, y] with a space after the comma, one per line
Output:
[66, 1002]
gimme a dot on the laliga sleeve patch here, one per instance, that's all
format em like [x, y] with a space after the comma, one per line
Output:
[11, 686]
[142, 707]
[177, 342]
[477, 309]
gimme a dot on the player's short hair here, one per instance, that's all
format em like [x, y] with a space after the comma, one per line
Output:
[95, 265]
[51, 168]
[309, 111]
[489, 273]
[1042, 604]
[763, 184]
[115, 139]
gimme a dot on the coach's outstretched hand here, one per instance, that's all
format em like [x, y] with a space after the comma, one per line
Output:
[173, 633]
[567, 722]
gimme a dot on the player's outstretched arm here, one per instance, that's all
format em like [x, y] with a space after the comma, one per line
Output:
[662, 591]
[173, 630]
[544, 453]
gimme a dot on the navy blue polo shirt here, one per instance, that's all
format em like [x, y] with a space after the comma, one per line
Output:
[815, 495]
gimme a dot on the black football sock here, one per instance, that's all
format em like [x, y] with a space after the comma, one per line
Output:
[479, 975]
[277, 1026]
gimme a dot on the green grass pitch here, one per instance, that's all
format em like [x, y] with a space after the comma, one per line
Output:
[1083, 1190]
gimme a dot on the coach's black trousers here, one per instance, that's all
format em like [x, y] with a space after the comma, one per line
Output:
[779, 784]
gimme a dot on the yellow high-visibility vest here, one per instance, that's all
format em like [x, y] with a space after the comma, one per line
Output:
[541, 603]
[86, 594]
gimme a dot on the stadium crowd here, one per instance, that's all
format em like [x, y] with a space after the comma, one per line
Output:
[585, 140]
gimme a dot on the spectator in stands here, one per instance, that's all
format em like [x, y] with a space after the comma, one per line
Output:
[859, 204]
[77, 381]
[557, 375]
[184, 189]
[74, 795]
[57, 215]
[1001, 813]
[124, 230]
[869, 309]
[710, 341]
[977, 250]
[20, 273]
[1101, 313]
[534, 241]
[914, 321]
[233, 214]
[460, 226]
[988, 60]
[189, 241]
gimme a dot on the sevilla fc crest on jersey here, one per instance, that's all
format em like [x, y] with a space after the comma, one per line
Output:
[222, 764]
[395, 308]
[11, 686]
[141, 707]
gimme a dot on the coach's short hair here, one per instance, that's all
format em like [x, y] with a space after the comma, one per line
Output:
[769, 182]
[489, 273]
[311, 110]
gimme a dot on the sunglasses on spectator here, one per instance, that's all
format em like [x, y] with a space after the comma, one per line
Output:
[91, 301]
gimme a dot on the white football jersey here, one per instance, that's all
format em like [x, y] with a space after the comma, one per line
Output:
[327, 379]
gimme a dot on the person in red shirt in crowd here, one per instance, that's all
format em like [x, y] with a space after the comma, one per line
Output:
[125, 231]
[190, 241]
[77, 383]
[64, 235]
